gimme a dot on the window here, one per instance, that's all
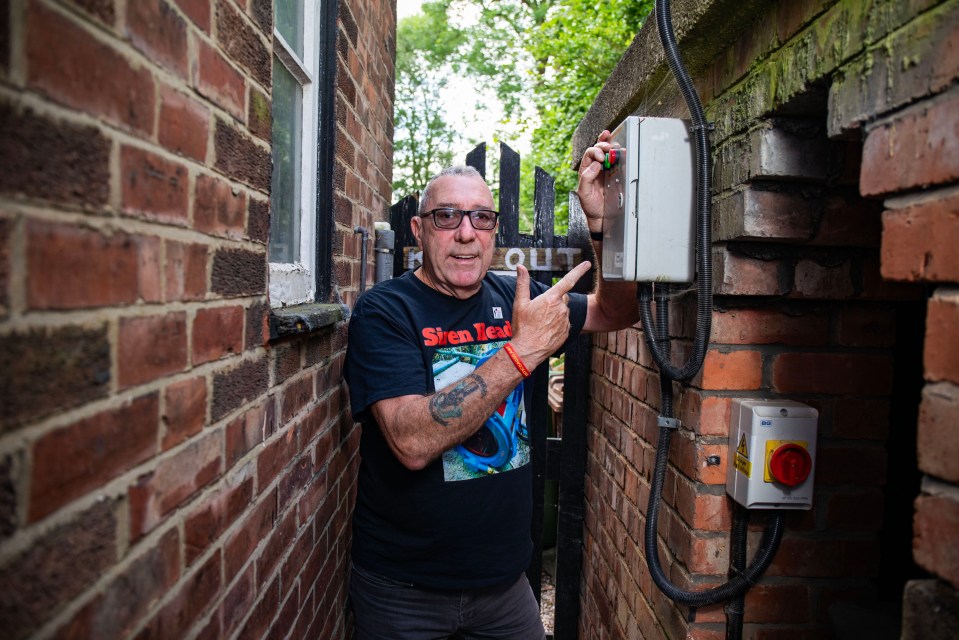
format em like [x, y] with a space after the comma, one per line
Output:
[299, 194]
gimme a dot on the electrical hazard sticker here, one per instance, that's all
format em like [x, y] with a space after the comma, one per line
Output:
[741, 462]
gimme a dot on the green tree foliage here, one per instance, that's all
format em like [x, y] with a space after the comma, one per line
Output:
[545, 60]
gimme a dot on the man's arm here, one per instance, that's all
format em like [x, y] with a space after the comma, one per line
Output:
[419, 429]
[612, 305]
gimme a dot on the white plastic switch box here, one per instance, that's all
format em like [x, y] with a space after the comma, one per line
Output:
[648, 229]
[772, 454]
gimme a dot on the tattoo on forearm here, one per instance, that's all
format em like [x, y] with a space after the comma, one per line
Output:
[446, 405]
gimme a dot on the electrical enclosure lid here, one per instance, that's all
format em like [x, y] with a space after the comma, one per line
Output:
[648, 230]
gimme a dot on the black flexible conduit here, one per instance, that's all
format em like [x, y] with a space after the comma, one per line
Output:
[657, 338]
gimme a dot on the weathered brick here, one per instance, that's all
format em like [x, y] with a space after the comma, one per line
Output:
[198, 11]
[735, 273]
[219, 208]
[151, 347]
[938, 438]
[184, 411]
[258, 220]
[173, 482]
[257, 323]
[195, 596]
[238, 602]
[154, 187]
[789, 152]
[262, 12]
[160, 33]
[213, 517]
[103, 446]
[184, 126]
[217, 332]
[832, 373]
[287, 360]
[9, 520]
[826, 557]
[778, 603]
[277, 545]
[273, 458]
[260, 117]
[849, 220]
[930, 609]
[296, 396]
[241, 384]
[913, 150]
[936, 521]
[919, 240]
[186, 271]
[113, 613]
[57, 567]
[53, 160]
[860, 418]
[241, 158]
[766, 214]
[71, 368]
[814, 279]
[241, 42]
[867, 326]
[862, 465]
[265, 610]
[217, 80]
[255, 526]
[941, 351]
[855, 510]
[238, 272]
[65, 62]
[733, 370]
[248, 430]
[74, 268]
[770, 326]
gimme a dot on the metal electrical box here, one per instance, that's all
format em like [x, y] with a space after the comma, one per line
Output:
[772, 453]
[648, 230]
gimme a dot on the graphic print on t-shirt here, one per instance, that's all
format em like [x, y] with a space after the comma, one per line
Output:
[502, 443]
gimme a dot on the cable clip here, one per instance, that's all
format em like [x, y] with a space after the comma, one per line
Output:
[709, 126]
[671, 423]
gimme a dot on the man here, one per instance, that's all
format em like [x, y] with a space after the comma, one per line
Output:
[441, 531]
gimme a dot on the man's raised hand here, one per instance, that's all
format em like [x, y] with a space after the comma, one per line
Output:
[541, 325]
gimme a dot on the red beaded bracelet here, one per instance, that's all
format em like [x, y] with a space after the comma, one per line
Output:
[511, 352]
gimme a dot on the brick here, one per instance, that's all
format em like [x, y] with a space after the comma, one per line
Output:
[9, 520]
[154, 187]
[832, 373]
[240, 41]
[160, 33]
[184, 411]
[75, 268]
[248, 430]
[296, 396]
[149, 274]
[734, 370]
[764, 214]
[941, 349]
[6, 234]
[770, 326]
[238, 602]
[238, 272]
[198, 11]
[184, 125]
[258, 220]
[260, 116]
[195, 596]
[830, 281]
[262, 12]
[174, 481]
[861, 418]
[919, 240]
[253, 529]
[240, 158]
[913, 150]
[217, 80]
[735, 273]
[102, 447]
[825, 558]
[277, 544]
[936, 521]
[778, 604]
[219, 208]
[849, 221]
[115, 612]
[287, 361]
[72, 368]
[938, 438]
[215, 515]
[855, 510]
[71, 66]
[273, 458]
[53, 160]
[151, 347]
[257, 325]
[258, 622]
[186, 271]
[245, 382]
[867, 326]
[930, 609]
[59, 565]
[781, 153]
[861, 465]
[217, 332]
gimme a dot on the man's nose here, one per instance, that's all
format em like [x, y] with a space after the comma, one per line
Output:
[465, 232]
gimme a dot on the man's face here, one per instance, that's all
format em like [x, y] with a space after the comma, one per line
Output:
[455, 260]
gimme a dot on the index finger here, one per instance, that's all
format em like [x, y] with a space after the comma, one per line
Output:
[570, 279]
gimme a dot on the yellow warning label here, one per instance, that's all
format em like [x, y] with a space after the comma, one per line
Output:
[741, 460]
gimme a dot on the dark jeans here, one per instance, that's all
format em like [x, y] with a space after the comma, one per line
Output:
[389, 610]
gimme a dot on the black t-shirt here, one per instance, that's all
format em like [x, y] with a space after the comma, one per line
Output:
[460, 522]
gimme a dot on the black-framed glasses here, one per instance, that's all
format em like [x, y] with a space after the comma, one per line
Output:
[447, 218]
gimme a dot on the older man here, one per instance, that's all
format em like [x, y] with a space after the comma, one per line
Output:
[436, 359]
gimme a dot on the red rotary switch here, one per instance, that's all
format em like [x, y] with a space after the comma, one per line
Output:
[790, 464]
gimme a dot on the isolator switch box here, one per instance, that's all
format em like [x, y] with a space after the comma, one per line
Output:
[772, 453]
[648, 230]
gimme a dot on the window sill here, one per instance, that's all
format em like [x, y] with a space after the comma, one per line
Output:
[303, 319]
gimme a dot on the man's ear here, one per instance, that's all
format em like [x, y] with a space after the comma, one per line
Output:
[416, 225]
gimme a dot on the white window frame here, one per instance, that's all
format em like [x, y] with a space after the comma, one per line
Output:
[295, 283]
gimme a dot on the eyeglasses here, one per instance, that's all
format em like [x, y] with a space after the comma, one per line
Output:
[481, 219]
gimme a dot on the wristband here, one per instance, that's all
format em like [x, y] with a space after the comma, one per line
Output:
[596, 235]
[511, 352]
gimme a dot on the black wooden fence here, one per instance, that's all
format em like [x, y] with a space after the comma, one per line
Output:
[560, 459]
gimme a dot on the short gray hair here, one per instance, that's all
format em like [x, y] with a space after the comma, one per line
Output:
[455, 170]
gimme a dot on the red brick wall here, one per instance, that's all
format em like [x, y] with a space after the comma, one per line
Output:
[835, 218]
[165, 470]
